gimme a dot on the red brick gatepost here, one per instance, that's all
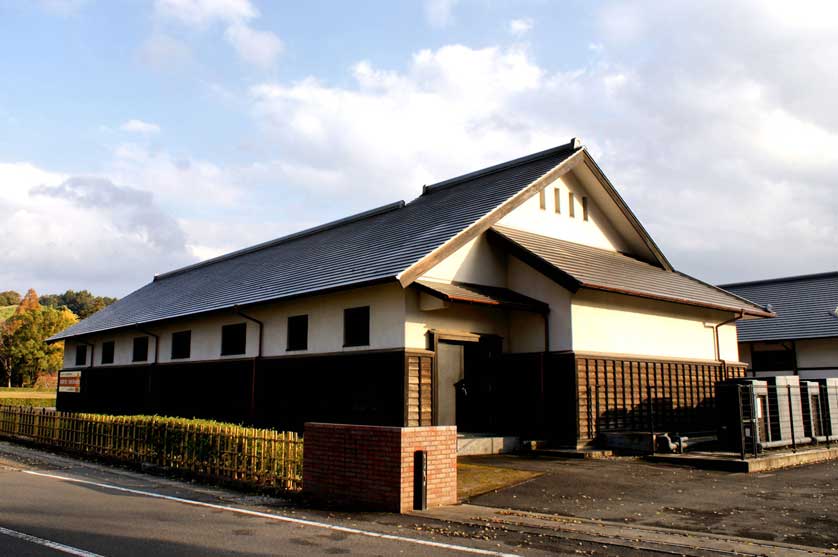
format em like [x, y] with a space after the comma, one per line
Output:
[371, 467]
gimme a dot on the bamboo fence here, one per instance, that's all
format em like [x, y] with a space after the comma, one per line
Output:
[209, 450]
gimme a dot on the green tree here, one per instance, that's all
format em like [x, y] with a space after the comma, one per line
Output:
[9, 298]
[23, 353]
[82, 302]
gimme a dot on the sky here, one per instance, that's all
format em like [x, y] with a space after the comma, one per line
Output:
[142, 135]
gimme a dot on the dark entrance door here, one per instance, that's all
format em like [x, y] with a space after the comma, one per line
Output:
[467, 384]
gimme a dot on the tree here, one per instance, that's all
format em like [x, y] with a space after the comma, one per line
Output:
[23, 353]
[29, 302]
[9, 298]
[82, 303]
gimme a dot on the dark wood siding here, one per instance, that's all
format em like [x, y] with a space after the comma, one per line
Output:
[619, 393]
[419, 408]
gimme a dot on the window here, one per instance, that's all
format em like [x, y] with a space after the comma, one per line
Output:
[181, 345]
[356, 326]
[107, 352]
[297, 333]
[571, 210]
[81, 354]
[542, 201]
[140, 352]
[584, 208]
[233, 339]
[557, 199]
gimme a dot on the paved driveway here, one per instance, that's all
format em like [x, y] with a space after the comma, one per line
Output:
[798, 505]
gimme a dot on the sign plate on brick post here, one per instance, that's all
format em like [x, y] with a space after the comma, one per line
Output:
[69, 382]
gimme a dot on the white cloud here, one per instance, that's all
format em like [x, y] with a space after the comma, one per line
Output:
[138, 126]
[206, 12]
[730, 163]
[64, 232]
[176, 181]
[257, 47]
[260, 48]
[440, 13]
[393, 132]
[521, 26]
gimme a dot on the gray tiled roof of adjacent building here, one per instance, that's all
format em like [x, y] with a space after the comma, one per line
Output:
[371, 247]
[600, 269]
[805, 307]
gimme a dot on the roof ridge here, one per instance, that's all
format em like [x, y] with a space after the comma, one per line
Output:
[573, 144]
[283, 239]
[793, 278]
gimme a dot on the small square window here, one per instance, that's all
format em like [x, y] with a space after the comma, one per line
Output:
[542, 201]
[234, 339]
[181, 345]
[81, 354]
[356, 326]
[584, 208]
[107, 352]
[571, 210]
[297, 333]
[140, 352]
[557, 199]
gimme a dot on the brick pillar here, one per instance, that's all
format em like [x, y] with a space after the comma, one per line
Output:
[371, 467]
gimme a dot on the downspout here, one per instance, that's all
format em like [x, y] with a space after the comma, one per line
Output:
[716, 338]
[257, 358]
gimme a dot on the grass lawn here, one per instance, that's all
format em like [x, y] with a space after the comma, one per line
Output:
[476, 479]
[43, 402]
[26, 392]
[6, 312]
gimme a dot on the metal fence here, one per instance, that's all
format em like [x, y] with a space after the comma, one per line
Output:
[209, 450]
[745, 416]
[783, 413]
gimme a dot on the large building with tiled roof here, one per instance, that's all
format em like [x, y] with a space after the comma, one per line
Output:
[525, 298]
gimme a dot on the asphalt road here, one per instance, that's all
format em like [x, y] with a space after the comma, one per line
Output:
[57, 506]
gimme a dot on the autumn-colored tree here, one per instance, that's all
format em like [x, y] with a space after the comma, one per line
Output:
[23, 352]
[29, 302]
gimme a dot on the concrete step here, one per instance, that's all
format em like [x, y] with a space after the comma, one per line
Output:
[478, 444]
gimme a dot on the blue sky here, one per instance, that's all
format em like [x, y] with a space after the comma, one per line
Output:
[137, 136]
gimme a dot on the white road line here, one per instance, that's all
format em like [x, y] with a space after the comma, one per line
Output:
[47, 543]
[279, 517]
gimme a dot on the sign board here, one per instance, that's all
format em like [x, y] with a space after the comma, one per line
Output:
[69, 382]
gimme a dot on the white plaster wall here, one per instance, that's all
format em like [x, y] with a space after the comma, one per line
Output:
[817, 352]
[527, 329]
[597, 231]
[123, 349]
[615, 323]
[477, 262]
[456, 317]
[325, 328]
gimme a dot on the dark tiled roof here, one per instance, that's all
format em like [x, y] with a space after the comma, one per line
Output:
[371, 247]
[804, 305]
[589, 267]
[480, 294]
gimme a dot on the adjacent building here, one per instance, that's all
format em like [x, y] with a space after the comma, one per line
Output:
[803, 339]
[525, 298]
